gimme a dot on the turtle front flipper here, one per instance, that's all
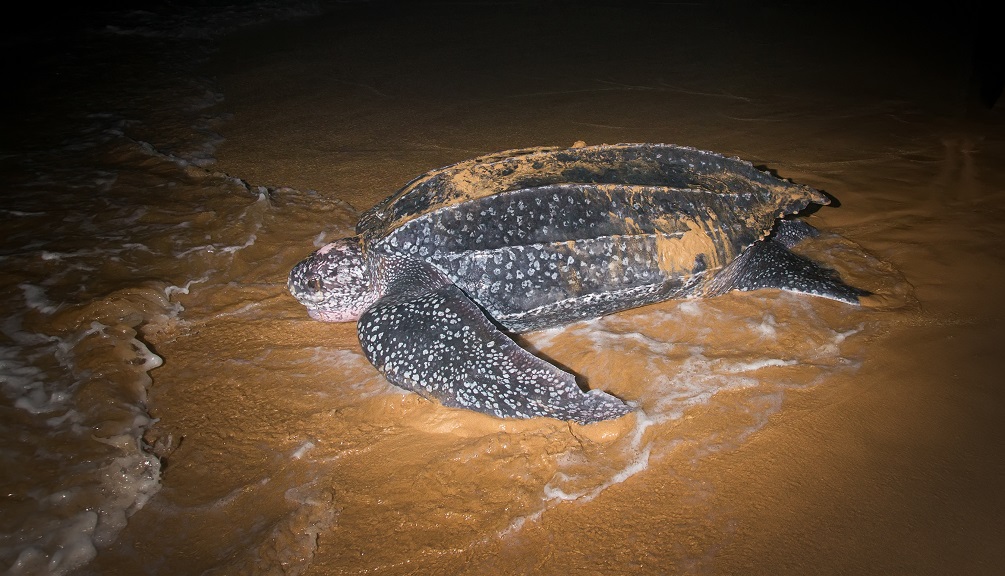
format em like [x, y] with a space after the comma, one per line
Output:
[438, 343]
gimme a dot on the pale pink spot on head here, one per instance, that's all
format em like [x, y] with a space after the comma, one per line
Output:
[335, 282]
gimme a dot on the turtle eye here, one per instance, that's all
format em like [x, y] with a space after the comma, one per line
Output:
[316, 284]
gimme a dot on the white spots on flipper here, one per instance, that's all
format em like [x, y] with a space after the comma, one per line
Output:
[439, 344]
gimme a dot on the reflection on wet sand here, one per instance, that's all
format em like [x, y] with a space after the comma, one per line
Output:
[775, 433]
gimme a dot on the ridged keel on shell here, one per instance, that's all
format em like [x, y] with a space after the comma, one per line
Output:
[661, 165]
[554, 254]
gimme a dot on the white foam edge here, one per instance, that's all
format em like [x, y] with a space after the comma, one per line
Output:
[128, 480]
[554, 496]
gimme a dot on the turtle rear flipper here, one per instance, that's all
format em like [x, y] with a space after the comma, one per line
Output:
[791, 232]
[439, 344]
[769, 264]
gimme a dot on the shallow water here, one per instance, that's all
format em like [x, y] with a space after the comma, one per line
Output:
[168, 408]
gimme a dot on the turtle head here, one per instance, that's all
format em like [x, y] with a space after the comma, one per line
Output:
[335, 282]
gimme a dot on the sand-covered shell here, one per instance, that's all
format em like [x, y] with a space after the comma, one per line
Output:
[543, 236]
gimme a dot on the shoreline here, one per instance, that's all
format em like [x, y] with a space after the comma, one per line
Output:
[891, 467]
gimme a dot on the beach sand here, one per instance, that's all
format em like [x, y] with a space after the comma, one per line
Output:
[785, 434]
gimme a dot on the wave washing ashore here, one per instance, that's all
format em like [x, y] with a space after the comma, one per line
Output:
[100, 236]
[166, 407]
[130, 227]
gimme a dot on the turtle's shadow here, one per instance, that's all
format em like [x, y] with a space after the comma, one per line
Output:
[523, 342]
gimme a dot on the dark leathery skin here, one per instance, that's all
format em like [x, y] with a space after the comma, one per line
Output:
[551, 255]
[527, 239]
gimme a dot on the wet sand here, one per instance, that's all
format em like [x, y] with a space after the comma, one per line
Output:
[294, 456]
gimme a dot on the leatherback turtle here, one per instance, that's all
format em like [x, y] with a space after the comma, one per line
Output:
[540, 237]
